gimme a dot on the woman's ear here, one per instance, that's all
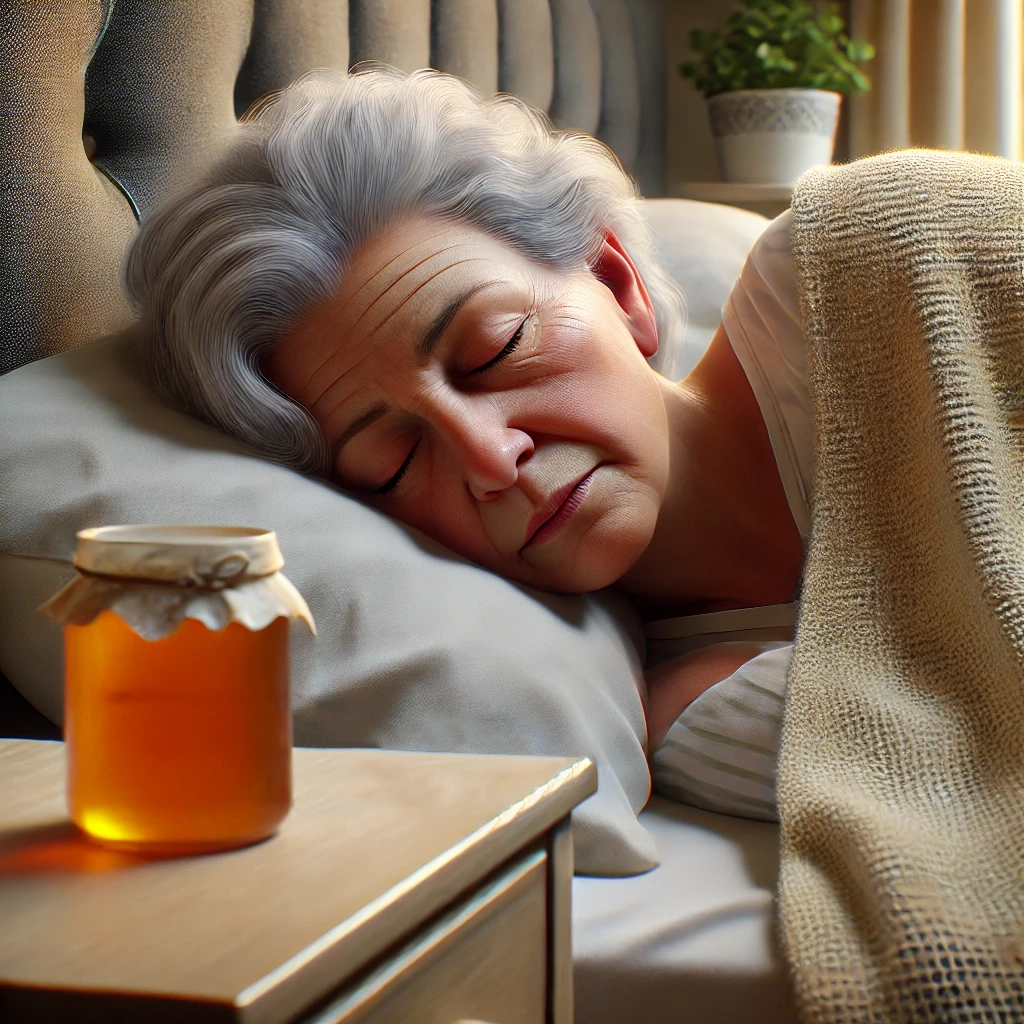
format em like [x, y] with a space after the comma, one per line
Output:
[617, 271]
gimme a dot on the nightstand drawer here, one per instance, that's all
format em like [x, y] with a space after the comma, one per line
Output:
[485, 960]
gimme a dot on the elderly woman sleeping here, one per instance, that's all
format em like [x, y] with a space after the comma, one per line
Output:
[448, 309]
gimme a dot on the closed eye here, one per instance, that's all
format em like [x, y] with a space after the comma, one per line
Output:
[393, 482]
[506, 351]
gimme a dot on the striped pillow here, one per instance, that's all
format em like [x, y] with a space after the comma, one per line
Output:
[720, 754]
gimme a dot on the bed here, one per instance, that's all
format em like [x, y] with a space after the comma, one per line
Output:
[691, 939]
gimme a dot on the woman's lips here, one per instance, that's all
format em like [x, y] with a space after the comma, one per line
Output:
[557, 511]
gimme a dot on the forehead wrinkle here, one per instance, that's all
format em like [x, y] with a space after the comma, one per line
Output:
[381, 408]
[333, 386]
[334, 354]
[423, 241]
[338, 380]
[433, 277]
[402, 276]
[461, 299]
[323, 327]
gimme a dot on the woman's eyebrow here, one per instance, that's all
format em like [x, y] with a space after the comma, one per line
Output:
[371, 415]
[436, 328]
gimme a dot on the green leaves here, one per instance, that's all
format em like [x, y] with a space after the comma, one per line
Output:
[779, 44]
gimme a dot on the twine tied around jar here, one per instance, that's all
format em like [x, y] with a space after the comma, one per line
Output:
[155, 576]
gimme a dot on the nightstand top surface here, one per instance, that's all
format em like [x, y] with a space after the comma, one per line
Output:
[376, 842]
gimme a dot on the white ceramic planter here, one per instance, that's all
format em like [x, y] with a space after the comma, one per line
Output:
[773, 135]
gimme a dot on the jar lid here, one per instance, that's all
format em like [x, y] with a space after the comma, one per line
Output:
[199, 556]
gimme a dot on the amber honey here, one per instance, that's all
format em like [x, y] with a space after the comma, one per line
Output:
[181, 744]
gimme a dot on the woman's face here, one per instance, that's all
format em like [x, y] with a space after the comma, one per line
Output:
[501, 407]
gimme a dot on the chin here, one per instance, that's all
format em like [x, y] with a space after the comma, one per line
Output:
[599, 561]
[586, 582]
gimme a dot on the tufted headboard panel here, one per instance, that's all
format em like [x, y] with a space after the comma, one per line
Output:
[106, 104]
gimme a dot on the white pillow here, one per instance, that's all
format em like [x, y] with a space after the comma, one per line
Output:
[416, 648]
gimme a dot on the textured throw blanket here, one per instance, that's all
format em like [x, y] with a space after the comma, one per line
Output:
[901, 773]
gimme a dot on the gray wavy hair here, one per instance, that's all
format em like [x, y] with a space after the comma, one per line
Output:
[229, 266]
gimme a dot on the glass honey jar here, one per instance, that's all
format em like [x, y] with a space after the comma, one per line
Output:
[177, 722]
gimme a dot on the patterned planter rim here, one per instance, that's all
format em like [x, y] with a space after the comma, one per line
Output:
[753, 111]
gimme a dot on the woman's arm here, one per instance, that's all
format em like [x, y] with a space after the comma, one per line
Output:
[672, 686]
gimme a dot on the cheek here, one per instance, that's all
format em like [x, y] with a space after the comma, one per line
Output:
[620, 411]
[442, 510]
[599, 376]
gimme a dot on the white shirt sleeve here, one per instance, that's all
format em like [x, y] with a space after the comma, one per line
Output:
[761, 317]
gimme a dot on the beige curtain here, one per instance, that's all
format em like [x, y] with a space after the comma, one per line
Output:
[947, 74]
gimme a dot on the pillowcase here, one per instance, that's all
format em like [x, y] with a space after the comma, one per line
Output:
[417, 649]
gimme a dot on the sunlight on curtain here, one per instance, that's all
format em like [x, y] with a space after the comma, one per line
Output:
[947, 74]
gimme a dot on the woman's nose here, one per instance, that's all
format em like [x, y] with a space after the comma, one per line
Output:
[488, 451]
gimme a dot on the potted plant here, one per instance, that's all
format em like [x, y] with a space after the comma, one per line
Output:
[774, 76]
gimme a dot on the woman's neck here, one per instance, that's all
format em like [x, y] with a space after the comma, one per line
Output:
[725, 537]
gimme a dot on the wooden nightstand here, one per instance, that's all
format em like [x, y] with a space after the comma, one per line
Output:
[402, 887]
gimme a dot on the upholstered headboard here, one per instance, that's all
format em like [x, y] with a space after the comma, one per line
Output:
[106, 104]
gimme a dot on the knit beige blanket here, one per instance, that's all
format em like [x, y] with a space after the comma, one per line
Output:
[901, 773]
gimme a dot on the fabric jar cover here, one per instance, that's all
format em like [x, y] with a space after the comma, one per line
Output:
[152, 577]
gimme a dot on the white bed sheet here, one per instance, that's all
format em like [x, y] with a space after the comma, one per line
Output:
[694, 939]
